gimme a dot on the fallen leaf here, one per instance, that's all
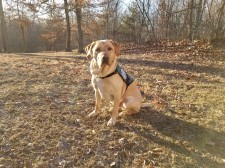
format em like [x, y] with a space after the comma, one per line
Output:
[121, 141]
[113, 164]
[157, 150]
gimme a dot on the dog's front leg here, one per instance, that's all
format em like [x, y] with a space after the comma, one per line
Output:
[115, 109]
[97, 104]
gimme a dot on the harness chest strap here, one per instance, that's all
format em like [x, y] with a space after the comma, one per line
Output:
[125, 77]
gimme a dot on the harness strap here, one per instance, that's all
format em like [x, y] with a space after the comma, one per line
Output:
[111, 74]
[125, 77]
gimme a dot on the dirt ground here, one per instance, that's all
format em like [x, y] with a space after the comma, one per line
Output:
[45, 98]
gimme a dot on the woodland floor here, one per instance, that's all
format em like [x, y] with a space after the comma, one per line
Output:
[45, 98]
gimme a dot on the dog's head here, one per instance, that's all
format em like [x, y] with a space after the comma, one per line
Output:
[103, 51]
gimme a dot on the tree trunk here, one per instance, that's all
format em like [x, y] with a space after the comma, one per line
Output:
[68, 42]
[199, 17]
[191, 20]
[219, 29]
[79, 29]
[107, 21]
[22, 28]
[3, 28]
[115, 20]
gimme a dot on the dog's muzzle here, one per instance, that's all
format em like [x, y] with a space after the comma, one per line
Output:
[105, 59]
[102, 59]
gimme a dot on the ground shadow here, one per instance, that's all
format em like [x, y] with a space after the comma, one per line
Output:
[68, 58]
[190, 67]
[204, 140]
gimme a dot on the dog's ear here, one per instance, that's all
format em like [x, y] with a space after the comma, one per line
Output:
[116, 46]
[88, 50]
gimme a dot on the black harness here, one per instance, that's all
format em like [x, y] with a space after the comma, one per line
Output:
[125, 77]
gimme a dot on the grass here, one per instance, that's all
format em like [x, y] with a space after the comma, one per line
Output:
[45, 98]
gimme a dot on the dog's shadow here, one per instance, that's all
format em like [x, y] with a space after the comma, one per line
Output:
[205, 141]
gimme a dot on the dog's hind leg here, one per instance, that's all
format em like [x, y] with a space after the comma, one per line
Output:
[132, 105]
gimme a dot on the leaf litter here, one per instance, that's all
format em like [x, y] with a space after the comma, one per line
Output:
[45, 98]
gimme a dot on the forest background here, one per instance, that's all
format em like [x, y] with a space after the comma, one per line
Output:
[56, 25]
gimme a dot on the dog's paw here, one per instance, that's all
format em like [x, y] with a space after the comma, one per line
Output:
[111, 122]
[93, 114]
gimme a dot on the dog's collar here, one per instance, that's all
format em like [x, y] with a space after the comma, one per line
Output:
[111, 74]
[126, 78]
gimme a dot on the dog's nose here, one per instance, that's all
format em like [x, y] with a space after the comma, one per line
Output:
[105, 58]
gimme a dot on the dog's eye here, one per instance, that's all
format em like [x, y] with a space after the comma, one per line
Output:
[109, 49]
[97, 50]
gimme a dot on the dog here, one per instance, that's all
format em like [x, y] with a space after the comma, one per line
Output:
[110, 81]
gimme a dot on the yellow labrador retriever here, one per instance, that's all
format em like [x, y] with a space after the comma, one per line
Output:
[110, 81]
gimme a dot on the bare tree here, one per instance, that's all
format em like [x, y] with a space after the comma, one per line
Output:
[220, 29]
[144, 7]
[191, 20]
[68, 42]
[78, 11]
[115, 20]
[3, 28]
[199, 15]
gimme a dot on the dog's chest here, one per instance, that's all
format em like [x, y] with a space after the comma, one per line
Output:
[106, 90]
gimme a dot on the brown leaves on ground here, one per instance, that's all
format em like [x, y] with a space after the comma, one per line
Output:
[45, 98]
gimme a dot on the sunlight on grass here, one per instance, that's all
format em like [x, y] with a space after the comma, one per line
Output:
[45, 97]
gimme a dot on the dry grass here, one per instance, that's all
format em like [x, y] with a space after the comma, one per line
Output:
[45, 97]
